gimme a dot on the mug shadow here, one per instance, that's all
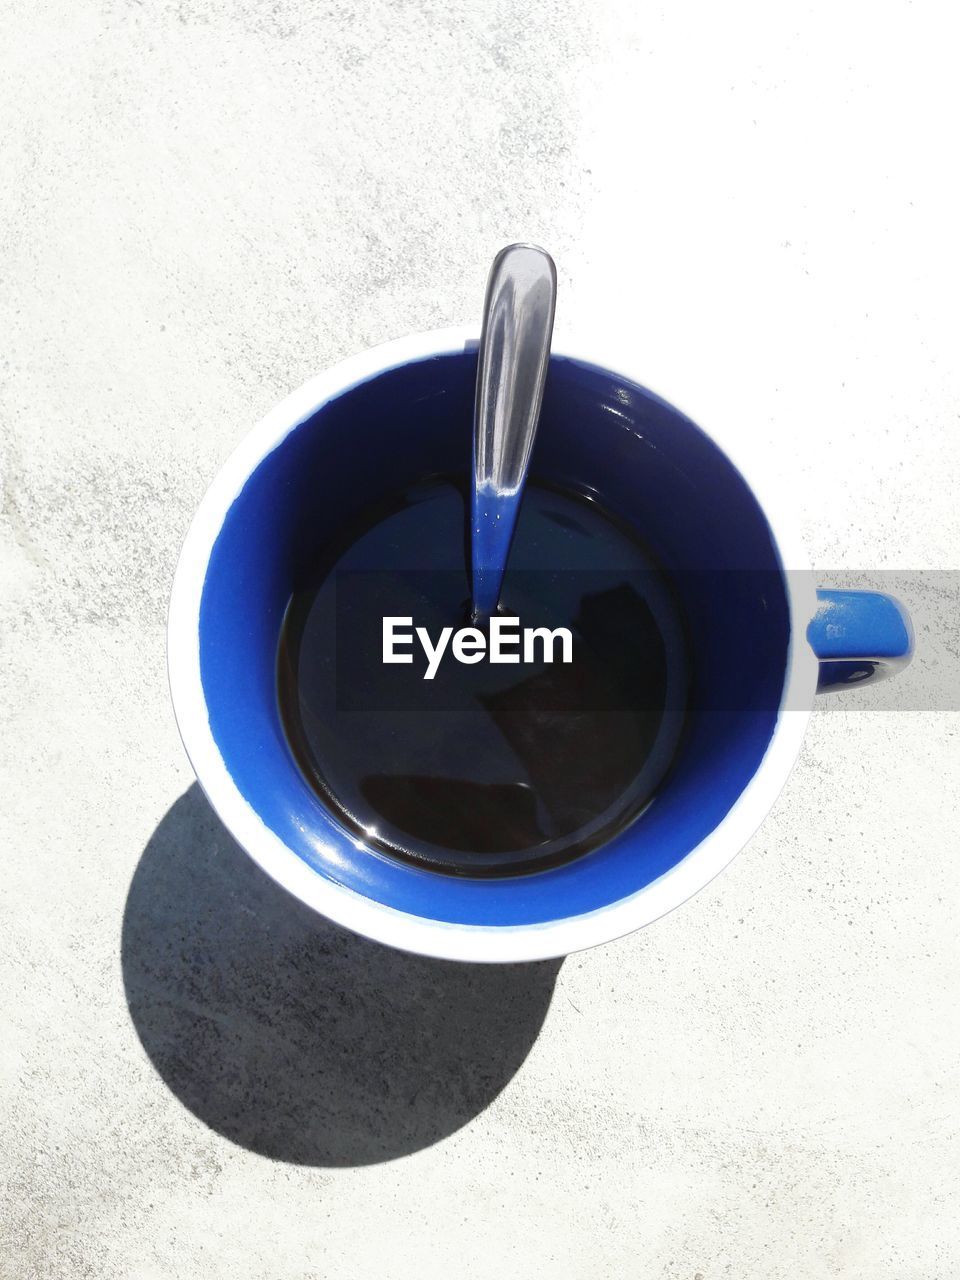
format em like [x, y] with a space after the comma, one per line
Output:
[293, 1037]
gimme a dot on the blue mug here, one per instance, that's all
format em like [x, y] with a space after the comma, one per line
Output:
[762, 641]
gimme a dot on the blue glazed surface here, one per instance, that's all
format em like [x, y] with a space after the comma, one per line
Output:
[859, 636]
[632, 452]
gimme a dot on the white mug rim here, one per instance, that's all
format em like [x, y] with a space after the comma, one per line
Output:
[389, 925]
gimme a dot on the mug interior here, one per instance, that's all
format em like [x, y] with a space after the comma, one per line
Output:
[638, 457]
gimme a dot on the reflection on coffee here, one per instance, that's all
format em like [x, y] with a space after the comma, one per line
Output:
[488, 767]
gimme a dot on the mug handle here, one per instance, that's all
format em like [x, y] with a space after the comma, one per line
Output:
[860, 637]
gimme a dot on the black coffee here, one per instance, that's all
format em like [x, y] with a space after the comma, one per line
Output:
[484, 767]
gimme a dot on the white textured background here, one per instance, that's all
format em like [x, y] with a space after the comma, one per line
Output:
[202, 203]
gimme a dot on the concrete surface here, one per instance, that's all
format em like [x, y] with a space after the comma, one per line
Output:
[206, 201]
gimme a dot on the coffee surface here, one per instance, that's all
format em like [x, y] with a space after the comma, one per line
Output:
[487, 768]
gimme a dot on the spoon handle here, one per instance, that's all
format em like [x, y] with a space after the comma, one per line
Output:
[514, 351]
